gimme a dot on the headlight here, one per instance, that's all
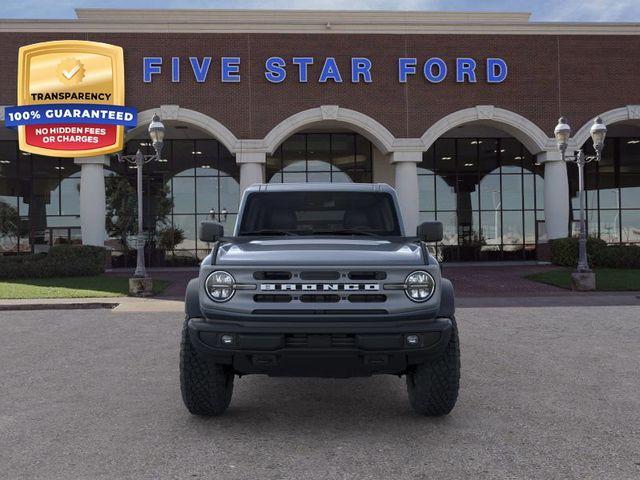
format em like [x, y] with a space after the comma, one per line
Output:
[220, 286]
[419, 286]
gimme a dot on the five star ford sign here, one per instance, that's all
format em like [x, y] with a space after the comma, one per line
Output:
[71, 99]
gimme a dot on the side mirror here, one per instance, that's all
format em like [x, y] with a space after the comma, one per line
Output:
[430, 231]
[210, 231]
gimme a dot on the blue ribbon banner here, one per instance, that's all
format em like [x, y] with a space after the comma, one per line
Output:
[70, 113]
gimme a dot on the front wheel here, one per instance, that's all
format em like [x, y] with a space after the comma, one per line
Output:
[206, 387]
[433, 386]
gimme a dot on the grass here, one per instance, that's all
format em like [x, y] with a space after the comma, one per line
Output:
[607, 279]
[70, 287]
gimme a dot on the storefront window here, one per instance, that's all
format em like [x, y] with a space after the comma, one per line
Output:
[487, 192]
[321, 157]
[196, 180]
[612, 192]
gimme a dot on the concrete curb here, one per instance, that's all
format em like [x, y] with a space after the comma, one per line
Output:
[8, 307]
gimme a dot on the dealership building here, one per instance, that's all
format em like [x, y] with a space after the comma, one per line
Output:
[455, 110]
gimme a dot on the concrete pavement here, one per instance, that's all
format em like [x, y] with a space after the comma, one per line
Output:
[547, 393]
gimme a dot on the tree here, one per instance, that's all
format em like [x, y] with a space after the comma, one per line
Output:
[122, 208]
[9, 221]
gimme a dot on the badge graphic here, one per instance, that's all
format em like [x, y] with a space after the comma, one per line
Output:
[70, 99]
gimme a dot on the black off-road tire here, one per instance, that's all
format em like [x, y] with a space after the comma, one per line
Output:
[206, 387]
[433, 386]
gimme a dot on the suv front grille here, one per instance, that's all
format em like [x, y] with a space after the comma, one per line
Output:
[320, 341]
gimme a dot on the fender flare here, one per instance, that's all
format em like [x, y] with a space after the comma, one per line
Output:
[447, 300]
[192, 299]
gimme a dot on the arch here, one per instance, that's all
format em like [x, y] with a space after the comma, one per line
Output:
[382, 138]
[197, 119]
[527, 132]
[622, 114]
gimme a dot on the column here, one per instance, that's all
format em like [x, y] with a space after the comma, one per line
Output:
[406, 184]
[251, 168]
[93, 208]
[556, 194]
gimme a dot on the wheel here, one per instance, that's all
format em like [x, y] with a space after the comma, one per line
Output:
[206, 387]
[433, 386]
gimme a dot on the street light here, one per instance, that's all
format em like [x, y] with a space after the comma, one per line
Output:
[156, 133]
[562, 133]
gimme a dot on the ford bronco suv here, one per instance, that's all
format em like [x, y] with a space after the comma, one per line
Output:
[319, 280]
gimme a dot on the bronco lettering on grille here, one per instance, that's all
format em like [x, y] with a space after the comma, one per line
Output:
[324, 287]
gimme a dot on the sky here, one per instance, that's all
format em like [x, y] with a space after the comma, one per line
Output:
[542, 10]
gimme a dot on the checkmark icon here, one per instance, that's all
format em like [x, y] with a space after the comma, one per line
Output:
[71, 73]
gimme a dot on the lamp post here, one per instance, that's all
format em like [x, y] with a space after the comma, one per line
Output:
[562, 133]
[156, 133]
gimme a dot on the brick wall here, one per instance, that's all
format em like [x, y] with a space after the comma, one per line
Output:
[578, 76]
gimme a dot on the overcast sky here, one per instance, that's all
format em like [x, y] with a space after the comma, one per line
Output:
[542, 10]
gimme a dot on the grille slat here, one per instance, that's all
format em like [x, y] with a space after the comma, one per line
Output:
[320, 341]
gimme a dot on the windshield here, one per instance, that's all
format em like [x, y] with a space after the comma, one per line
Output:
[320, 213]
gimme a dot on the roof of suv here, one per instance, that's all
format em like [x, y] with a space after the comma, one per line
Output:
[320, 187]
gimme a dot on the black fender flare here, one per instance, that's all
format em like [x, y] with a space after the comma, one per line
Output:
[447, 300]
[192, 299]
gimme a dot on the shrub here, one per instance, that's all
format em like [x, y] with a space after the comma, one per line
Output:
[169, 237]
[564, 252]
[61, 261]
[618, 256]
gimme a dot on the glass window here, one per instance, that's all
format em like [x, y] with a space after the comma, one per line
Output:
[630, 190]
[630, 226]
[319, 153]
[207, 195]
[445, 156]
[70, 196]
[609, 225]
[511, 155]
[187, 223]
[512, 192]
[488, 156]
[183, 190]
[467, 154]
[333, 213]
[182, 160]
[427, 192]
[321, 157]
[294, 153]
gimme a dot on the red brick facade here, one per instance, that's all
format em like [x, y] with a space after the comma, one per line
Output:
[578, 76]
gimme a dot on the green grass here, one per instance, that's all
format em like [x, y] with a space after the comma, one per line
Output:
[70, 287]
[607, 279]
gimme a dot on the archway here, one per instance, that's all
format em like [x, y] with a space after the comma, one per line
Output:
[481, 178]
[613, 184]
[196, 179]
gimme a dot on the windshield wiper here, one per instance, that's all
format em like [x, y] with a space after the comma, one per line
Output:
[269, 231]
[346, 231]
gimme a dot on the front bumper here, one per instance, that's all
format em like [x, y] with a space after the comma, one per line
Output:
[320, 349]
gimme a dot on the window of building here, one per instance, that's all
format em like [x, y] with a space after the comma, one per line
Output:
[486, 192]
[612, 190]
[321, 157]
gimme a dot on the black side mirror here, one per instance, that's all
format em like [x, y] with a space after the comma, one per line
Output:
[430, 231]
[210, 231]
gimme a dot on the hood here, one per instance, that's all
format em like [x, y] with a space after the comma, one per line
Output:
[320, 251]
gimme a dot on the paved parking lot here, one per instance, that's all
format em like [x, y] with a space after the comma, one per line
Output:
[546, 393]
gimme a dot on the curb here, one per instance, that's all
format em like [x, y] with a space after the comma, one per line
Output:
[57, 306]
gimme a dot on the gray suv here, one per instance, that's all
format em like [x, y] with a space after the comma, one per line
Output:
[319, 280]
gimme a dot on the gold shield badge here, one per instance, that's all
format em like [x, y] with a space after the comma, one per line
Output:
[70, 86]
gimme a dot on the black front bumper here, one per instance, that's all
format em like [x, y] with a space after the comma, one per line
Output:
[320, 349]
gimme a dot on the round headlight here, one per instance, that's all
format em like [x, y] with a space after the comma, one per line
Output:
[419, 286]
[220, 286]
